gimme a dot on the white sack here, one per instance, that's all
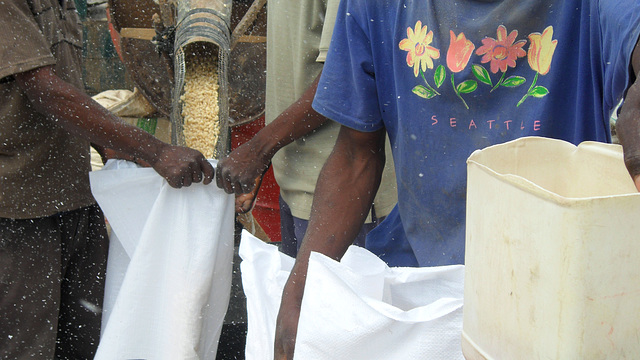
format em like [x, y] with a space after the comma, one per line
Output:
[264, 272]
[169, 268]
[356, 309]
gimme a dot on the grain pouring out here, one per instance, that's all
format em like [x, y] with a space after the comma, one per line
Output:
[200, 108]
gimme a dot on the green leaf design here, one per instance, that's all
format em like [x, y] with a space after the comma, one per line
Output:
[481, 74]
[466, 87]
[539, 91]
[514, 81]
[423, 92]
[439, 75]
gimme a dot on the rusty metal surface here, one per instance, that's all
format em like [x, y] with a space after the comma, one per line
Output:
[247, 82]
[134, 14]
[152, 73]
[247, 69]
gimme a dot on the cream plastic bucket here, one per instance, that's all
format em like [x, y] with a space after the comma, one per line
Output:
[552, 253]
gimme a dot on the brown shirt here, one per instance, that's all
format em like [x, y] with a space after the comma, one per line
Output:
[43, 169]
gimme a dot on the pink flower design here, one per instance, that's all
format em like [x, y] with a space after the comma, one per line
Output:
[501, 52]
[459, 52]
[458, 55]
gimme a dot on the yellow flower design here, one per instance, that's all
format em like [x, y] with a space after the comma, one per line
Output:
[541, 50]
[539, 56]
[420, 54]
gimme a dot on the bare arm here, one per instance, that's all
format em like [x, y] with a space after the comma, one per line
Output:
[628, 124]
[344, 194]
[237, 172]
[77, 113]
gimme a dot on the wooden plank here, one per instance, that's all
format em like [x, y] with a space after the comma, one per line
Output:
[248, 19]
[138, 33]
[252, 39]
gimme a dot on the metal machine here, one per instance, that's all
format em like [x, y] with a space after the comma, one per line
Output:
[151, 38]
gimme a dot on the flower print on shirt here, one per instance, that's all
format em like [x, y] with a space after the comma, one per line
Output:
[501, 53]
[420, 55]
[539, 56]
[458, 55]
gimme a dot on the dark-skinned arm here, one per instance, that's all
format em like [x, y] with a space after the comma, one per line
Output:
[238, 172]
[628, 124]
[345, 191]
[79, 114]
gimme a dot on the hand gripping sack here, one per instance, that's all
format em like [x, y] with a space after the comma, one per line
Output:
[169, 267]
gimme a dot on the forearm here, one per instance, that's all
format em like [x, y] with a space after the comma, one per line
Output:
[75, 112]
[79, 114]
[298, 120]
[344, 194]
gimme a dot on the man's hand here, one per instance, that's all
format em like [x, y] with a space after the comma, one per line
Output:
[182, 166]
[241, 171]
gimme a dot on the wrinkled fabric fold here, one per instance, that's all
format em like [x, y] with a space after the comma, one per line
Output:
[170, 262]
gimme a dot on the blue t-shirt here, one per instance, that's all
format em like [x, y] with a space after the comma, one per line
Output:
[448, 77]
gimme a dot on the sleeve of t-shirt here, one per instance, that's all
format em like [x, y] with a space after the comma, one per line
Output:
[620, 30]
[347, 89]
[327, 29]
[23, 47]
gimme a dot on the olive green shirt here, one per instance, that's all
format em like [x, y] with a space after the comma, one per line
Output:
[43, 169]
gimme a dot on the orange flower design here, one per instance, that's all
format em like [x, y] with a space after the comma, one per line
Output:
[420, 54]
[541, 50]
[501, 52]
[459, 52]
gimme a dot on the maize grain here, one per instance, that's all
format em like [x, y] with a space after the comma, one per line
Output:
[200, 107]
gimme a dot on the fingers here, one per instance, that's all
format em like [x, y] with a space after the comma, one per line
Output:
[244, 203]
[231, 183]
[240, 188]
[208, 171]
[174, 181]
[191, 172]
[187, 180]
[222, 178]
[182, 166]
[202, 170]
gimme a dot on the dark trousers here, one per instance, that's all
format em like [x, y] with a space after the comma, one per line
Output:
[52, 273]
[292, 230]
